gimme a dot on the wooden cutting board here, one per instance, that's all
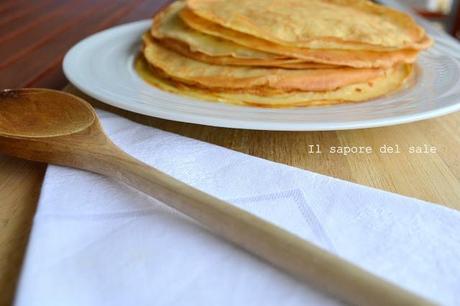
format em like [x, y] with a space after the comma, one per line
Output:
[433, 174]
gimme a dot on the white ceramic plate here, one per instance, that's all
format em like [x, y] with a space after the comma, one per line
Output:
[102, 67]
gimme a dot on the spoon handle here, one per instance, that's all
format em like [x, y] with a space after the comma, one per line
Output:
[281, 248]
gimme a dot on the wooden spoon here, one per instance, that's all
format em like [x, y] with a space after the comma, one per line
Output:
[59, 128]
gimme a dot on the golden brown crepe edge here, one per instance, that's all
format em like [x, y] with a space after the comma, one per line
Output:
[269, 78]
[419, 39]
[357, 59]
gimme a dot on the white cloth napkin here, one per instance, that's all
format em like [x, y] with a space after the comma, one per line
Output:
[98, 242]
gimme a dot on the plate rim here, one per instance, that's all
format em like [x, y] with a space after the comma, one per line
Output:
[235, 122]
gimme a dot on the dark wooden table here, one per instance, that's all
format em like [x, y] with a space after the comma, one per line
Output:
[34, 36]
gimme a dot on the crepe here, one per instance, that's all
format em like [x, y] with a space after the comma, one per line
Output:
[169, 28]
[260, 80]
[355, 58]
[280, 53]
[316, 24]
[394, 79]
[229, 60]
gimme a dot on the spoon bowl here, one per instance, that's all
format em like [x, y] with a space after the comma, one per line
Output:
[38, 113]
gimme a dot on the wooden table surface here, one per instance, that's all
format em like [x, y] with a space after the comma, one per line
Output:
[34, 36]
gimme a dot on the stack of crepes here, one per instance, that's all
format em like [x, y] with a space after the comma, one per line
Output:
[282, 53]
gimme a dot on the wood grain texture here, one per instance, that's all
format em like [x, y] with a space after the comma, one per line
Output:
[433, 178]
[20, 183]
